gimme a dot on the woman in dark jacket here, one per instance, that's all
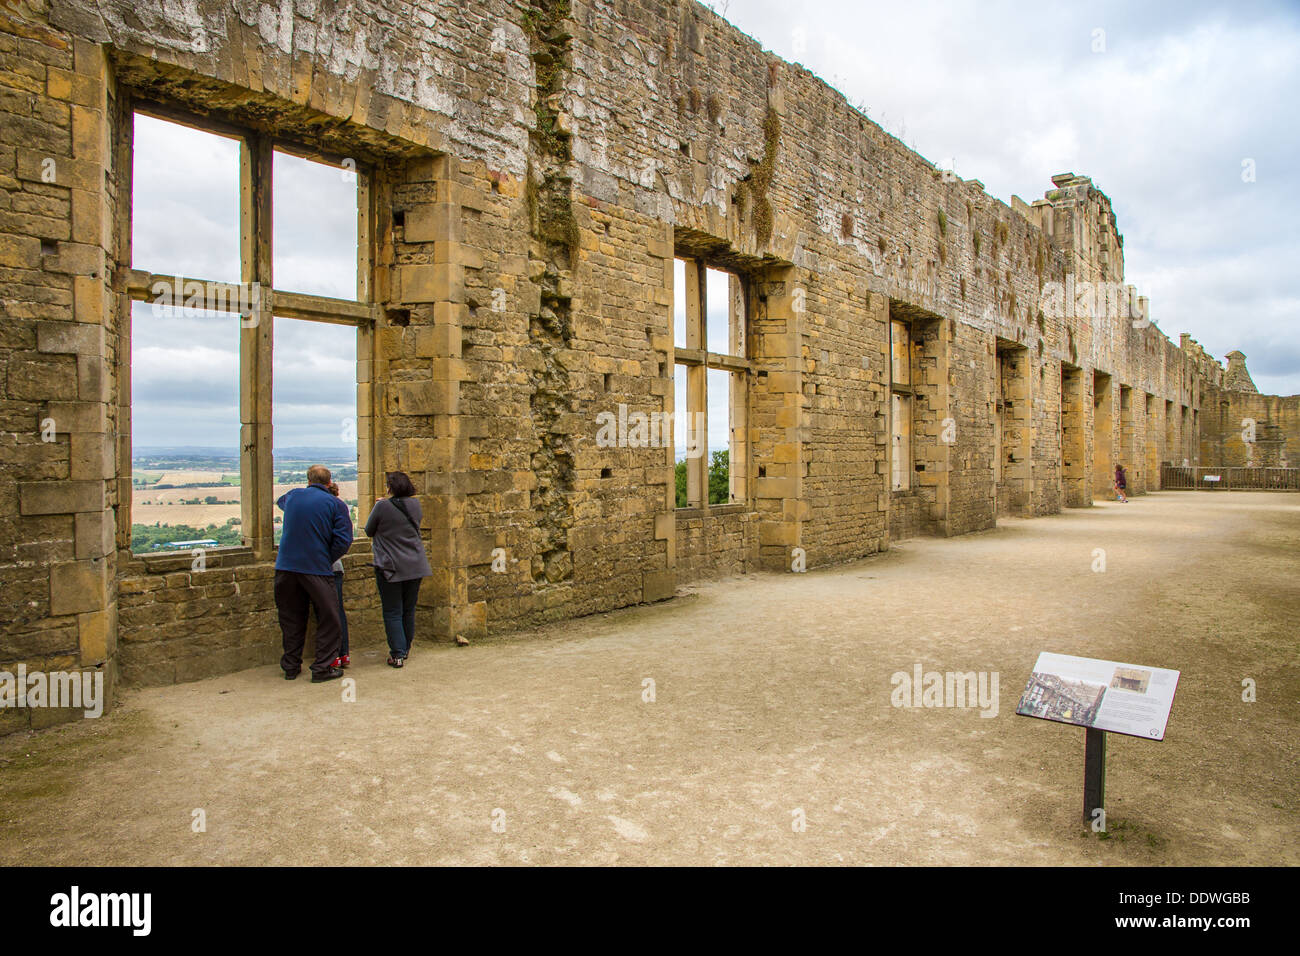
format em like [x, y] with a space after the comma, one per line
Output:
[399, 560]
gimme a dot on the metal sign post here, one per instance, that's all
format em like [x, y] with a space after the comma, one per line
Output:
[1099, 696]
[1094, 774]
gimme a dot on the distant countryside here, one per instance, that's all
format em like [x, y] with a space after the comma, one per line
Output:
[189, 498]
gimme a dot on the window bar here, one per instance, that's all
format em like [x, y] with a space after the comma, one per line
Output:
[697, 467]
[255, 342]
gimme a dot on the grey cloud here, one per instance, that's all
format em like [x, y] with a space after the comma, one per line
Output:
[1161, 121]
[185, 368]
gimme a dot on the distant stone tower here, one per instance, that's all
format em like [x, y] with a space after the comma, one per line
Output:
[1237, 378]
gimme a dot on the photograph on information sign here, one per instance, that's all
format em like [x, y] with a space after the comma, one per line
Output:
[1122, 698]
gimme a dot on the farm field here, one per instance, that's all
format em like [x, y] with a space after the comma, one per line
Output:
[200, 497]
[149, 506]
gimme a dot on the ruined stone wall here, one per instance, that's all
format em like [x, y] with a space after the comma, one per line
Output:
[531, 170]
[1248, 430]
[855, 214]
[713, 545]
[57, 562]
[343, 79]
[1244, 429]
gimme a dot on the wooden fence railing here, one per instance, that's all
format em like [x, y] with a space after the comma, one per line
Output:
[1179, 478]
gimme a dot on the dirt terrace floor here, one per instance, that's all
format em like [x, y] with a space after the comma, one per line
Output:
[772, 695]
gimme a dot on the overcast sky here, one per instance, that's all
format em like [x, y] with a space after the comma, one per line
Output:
[1161, 104]
[1161, 118]
[185, 368]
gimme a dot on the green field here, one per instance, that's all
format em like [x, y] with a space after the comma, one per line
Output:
[147, 538]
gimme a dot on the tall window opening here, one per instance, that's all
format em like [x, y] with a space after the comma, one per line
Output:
[710, 321]
[1103, 435]
[902, 395]
[314, 394]
[1074, 437]
[185, 415]
[1013, 428]
[251, 276]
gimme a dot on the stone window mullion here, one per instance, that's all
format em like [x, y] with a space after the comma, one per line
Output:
[901, 380]
[697, 406]
[255, 344]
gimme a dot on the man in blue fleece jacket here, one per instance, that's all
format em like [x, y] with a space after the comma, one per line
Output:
[317, 532]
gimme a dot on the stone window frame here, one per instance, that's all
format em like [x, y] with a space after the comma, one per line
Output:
[698, 360]
[1013, 424]
[256, 181]
[902, 399]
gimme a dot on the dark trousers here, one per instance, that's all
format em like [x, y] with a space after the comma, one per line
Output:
[343, 614]
[294, 594]
[398, 600]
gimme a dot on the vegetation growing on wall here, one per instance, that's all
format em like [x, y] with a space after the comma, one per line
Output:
[756, 187]
[713, 107]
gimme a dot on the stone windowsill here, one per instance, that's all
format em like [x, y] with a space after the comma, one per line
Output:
[236, 556]
[713, 511]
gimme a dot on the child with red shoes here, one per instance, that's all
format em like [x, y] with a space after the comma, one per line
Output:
[344, 659]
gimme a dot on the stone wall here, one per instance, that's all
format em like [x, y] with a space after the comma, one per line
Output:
[713, 544]
[1243, 429]
[58, 562]
[530, 171]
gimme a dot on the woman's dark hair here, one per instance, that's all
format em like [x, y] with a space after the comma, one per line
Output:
[400, 485]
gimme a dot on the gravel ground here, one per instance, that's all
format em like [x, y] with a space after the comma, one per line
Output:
[771, 707]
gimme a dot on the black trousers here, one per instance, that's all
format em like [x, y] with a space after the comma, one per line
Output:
[296, 593]
[343, 614]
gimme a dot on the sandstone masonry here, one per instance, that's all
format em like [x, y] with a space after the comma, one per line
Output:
[530, 173]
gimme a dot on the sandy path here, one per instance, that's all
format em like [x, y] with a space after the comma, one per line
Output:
[772, 695]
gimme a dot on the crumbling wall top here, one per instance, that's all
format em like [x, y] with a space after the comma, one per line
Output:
[1237, 378]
